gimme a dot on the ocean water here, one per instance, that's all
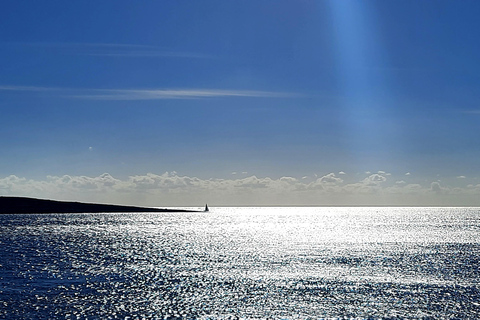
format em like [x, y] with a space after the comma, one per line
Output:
[249, 263]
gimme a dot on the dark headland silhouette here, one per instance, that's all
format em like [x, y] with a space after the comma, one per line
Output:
[32, 205]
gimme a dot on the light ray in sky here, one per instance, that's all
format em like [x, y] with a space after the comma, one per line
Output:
[361, 76]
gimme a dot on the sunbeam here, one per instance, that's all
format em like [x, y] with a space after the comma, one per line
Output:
[361, 75]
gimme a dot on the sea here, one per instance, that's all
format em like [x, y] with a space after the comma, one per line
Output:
[243, 263]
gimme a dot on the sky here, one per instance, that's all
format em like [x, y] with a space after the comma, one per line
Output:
[179, 103]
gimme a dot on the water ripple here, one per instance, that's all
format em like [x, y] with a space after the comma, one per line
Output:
[294, 263]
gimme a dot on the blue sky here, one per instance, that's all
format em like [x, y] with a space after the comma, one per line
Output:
[349, 102]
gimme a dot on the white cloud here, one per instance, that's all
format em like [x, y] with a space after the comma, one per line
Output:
[342, 173]
[11, 183]
[97, 184]
[172, 189]
[330, 179]
[408, 173]
[437, 188]
[375, 178]
[328, 183]
[383, 173]
[461, 177]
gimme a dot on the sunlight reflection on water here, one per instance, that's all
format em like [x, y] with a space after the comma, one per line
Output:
[244, 262]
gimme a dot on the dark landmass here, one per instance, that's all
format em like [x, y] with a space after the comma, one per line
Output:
[31, 205]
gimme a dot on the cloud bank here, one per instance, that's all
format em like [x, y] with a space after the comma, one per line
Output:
[172, 189]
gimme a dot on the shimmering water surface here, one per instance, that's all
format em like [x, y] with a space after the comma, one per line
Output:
[294, 263]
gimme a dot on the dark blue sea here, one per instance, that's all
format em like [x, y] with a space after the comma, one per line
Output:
[247, 263]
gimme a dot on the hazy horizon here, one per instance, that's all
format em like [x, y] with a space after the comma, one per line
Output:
[241, 103]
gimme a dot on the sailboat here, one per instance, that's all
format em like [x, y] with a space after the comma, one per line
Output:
[206, 208]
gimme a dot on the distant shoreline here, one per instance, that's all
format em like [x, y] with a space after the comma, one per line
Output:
[23, 205]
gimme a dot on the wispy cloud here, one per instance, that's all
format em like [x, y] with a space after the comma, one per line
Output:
[156, 94]
[471, 111]
[29, 88]
[110, 50]
[147, 94]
